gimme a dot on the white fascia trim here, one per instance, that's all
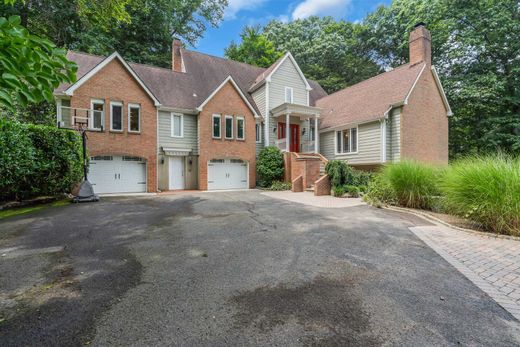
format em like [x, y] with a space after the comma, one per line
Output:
[235, 85]
[413, 85]
[70, 91]
[289, 55]
[443, 94]
[383, 140]
[267, 115]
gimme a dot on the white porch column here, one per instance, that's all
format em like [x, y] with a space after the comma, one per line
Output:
[287, 132]
[316, 135]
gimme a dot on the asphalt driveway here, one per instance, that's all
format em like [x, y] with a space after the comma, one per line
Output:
[216, 269]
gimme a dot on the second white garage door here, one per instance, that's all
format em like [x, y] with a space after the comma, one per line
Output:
[117, 174]
[227, 174]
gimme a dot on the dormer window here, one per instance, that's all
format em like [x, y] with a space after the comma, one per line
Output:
[288, 95]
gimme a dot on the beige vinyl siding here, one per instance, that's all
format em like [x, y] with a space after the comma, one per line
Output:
[393, 138]
[260, 145]
[259, 98]
[285, 76]
[327, 144]
[189, 139]
[273, 136]
[369, 145]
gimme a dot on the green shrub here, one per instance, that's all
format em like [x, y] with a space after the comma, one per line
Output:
[279, 185]
[38, 160]
[380, 191]
[486, 190]
[413, 183]
[339, 172]
[269, 166]
[338, 191]
[360, 178]
[353, 191]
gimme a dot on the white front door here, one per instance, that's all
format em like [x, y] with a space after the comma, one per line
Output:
[227, 174]
[176, 173]
[117, 174]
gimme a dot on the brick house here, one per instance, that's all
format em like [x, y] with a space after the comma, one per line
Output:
[201, 124]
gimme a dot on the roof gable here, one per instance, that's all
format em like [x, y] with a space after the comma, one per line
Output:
[99, 66]
[237, 88]
[267, 74]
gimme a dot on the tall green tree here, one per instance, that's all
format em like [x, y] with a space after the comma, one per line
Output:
[254, 48]
[326, 50]
[30, 67]
[475, 49]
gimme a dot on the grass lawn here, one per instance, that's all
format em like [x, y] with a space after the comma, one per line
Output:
[28, 209]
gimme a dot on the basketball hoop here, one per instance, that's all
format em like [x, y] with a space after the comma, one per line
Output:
[86, 191]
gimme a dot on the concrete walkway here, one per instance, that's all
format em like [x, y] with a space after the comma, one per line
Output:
[308, 198]
[491, 263]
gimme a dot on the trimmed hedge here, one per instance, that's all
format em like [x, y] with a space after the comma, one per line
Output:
[269, 166]
[38, 160]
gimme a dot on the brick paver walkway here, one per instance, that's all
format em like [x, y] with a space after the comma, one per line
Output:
[493, 264]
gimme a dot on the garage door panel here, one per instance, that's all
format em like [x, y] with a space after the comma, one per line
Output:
[116, 174]
[227, 174]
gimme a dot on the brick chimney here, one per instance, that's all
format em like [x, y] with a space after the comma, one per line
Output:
[176, 56]
[420, 45]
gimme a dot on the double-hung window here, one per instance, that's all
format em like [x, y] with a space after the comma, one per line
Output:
[97, 115]
[258, 131]
[346, 141]
[289, 95]
[134, 115]
[240, 128]
[216, 126]
[116, 116]
[177, 124]
[229, 127]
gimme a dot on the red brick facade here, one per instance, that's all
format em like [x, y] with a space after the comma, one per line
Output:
[424, 123]
[115, 83]
[227, 101]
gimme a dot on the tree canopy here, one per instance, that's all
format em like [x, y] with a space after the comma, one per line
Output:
[475, 48]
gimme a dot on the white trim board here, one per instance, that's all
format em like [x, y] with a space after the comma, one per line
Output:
[235, 85]
[70, 90]
[443, 94]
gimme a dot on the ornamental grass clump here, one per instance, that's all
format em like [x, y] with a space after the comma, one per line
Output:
[408, 183]
[485, 189]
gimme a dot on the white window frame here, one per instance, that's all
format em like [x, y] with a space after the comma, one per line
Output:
[226, 117]
[117, 103]
[172, 117]
[350, 138]
[219, 126]
[292, 95]
[139, 118]
[258, 132]
[243, 127]
[91, 116]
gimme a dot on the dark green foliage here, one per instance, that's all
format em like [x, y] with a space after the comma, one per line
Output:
[487, 190]
[338, 191]
[254, 48]
[269, 166]
[279, 185]
[360, 178]
[38, 160]
[339, 172]
[30, 67]
[353, 191]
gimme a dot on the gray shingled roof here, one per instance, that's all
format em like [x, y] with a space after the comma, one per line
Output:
[204, 73]
[370, 99]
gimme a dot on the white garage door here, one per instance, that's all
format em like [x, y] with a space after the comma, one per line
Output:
[227, 174]
[117, 174]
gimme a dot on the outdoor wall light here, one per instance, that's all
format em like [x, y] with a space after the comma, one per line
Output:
[162, 160]
[190, 161]
[303, 131]
[274, 129]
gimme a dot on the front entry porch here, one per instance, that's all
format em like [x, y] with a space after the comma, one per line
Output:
[296, 127]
